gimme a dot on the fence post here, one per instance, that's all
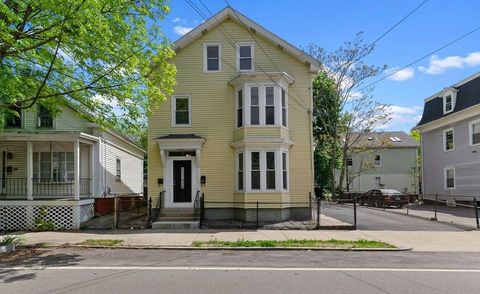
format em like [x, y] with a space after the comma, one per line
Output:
[202, 210]
[355, 211]
[257, 215]
[475, 205]
[115, 213]
[149, 203]
[318, 213]
[436, 200]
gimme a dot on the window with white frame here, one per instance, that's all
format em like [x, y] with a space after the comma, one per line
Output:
[245, 56]
[44, 117]
[377, 160]
[181, 110]
[474, 132]
[239, 108]
[284, 108]
[118, 171]
[269, 106]
[254, 106]
[53, 166]
[270, 170]
[211, 57]
[449, 178]
[449, 99]
[448, 140]
[284, 171]
[240, 171]
[255, 170]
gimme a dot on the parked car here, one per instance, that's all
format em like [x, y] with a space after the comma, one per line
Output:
[348, 197]
[383, 198]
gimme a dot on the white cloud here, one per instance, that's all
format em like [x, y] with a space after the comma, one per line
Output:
[181, 30]
[439, 65]
[402, 118]
[177, 19]
[401, 75]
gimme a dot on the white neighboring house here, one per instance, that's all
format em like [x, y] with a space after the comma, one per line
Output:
[383, 160]
[54, 168]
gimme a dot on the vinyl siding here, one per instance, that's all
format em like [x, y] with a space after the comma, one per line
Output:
[213, 115]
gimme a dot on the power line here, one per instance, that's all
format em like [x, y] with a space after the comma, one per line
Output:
[423, 57]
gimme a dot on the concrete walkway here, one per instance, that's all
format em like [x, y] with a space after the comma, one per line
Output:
[417, 240]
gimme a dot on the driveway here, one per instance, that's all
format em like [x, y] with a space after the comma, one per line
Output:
[374, 219]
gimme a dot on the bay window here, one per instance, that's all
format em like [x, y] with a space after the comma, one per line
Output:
[284, 171]
[255, 170]
[270, 170]
[240, 172]
[254, 106]
[239, 108]
[269, 106]
[284, 108]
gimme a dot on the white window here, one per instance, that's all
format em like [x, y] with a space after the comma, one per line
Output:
[269, 106]
[255, 171]
[254, 106]
[284, 108]
[448, 140]
[245, 56]
[118, 172]
[284, 171]
[270, 170]
[181, 110]
[378, 181]
[212, 53]
[474, 132]
[44, 117]
[240, 165]
[377, 161]
[53, 166]
[450, 178]
[449, 99]
[239, 108]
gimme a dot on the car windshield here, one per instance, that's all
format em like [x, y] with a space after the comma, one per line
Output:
[390, 192]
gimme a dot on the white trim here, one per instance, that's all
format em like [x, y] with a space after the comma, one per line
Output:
[252, 51]
[375, 161]
[450, 119]
[452, 93]
[470, 132]
[462, 82]
[205, 63]
[174, 102]
[445, 178]
[444, 135]
[287, 163]
[229, 13]
[168, 181]
[236, 92]
[237, 170]
[247, 172]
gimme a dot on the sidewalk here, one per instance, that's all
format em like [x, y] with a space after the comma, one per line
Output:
[468, 241]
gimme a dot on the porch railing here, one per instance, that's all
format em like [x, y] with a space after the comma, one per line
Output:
[42, 187]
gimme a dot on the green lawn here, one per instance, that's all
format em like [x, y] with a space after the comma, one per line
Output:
[332, 243]
[101, 242]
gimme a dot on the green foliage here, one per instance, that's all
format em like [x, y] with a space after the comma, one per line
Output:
[9, 239]
[106, 58]
[102, 242]
[293, 243]
[41, 222]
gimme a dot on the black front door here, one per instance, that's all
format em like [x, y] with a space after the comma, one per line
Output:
[182, 181]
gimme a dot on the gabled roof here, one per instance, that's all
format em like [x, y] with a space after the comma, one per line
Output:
[468, 95]
[394, 139]
[230, 13]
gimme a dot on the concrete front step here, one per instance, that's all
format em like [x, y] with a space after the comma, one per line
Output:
[169, 225]
[175, 218]
[176, 214]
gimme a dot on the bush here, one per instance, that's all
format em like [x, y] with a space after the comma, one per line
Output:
[41, 223]
[9, 239]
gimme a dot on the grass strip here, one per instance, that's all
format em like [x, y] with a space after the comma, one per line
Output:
[292, 243]
[101, 242]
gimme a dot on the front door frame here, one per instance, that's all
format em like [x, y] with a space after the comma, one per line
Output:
[168, 182]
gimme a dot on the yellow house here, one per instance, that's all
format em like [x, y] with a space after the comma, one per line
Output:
[238, 128]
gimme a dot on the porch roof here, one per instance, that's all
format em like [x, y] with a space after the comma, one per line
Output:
[47, 136]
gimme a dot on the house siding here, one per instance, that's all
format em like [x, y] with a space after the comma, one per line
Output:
[213, 116]
[464, 158]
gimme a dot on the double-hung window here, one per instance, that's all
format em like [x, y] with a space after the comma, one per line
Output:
[53, 166]
[254, 106]
[118, 171]
[270, 170]
[44, 117]
[181, 110]
[211, 57]
[269, 106]
[245, 56]
[377, 160]
[240, 172]
[284, 108]
[449, 178]
[284, 171]
[255, 170]
[239, 108]
[474, 130]
[448, 140]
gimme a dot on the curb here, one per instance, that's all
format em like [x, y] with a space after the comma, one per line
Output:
[189, 248]
[459, 226]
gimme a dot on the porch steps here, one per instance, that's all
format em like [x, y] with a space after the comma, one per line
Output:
[175, 218]
[175, 225]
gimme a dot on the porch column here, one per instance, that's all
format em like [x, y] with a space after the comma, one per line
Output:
[94, 169]
[76, 170]
[29, 170]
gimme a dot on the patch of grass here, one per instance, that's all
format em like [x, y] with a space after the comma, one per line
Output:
[43, 245]
[101, 242]
[292, 243]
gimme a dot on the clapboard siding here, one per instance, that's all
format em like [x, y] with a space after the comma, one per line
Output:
[18, 160]
[213, 114]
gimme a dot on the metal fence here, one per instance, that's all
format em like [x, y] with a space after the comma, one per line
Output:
[130, 211]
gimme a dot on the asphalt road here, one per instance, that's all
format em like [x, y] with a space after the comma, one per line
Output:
[171, 271]
[375, 219]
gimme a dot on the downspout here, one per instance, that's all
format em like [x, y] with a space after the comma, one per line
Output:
[310, 122]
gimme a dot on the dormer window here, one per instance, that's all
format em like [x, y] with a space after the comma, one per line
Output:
[449, 98]
[245, 56]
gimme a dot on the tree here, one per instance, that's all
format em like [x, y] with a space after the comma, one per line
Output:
[354, 111]
[108, 58]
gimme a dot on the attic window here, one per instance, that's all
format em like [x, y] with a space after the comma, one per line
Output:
[245, 56]
[449, 99]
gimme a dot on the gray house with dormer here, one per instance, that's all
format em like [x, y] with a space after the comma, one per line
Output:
[450, 141]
